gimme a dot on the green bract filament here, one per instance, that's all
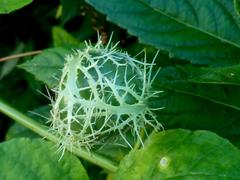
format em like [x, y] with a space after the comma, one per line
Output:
[102, 91]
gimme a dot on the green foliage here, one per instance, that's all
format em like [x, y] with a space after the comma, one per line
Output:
[205, 75]
[194, 31]
[237, 5]
[47, 66]
[7, 6]
[41, 114]
[201, 98]
[63, 38]
[199, 62]
[70, 9]
[188, 83]
[182, 154]
[37, 160]
[193, 113]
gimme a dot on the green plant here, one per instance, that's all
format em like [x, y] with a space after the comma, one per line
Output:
[106, 102]
[101, 91]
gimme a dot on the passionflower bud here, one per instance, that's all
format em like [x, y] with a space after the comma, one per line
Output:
[102, 91]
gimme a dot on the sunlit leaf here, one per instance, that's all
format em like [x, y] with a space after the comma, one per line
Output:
[182, 154]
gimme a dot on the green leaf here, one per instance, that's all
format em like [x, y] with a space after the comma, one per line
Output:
[191, 112]
[63, 38]
[204, 83]
[182, 154]
[7, 6]
[219, 75]
[25, 159]
[70, 9]
[17, 130]
[200, 98]
[47, 66]
[201, 31]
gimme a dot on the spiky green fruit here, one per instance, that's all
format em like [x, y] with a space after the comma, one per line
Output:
[102, 91]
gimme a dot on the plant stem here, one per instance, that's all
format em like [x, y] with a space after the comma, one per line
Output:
[20, 55]
[42, 131]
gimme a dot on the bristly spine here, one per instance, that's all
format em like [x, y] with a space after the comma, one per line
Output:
[102, 91]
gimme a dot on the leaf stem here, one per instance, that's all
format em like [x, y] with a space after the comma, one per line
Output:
[20, 55]
[42, 131]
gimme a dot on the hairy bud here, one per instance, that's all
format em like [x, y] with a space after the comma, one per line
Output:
[102, 91]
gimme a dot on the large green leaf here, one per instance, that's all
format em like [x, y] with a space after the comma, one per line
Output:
[182, 154]
[26, 159]
[202, 31]
[7, 6]
[214, 17]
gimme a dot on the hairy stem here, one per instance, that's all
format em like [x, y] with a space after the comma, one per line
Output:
[20, 55]
[42, 131]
